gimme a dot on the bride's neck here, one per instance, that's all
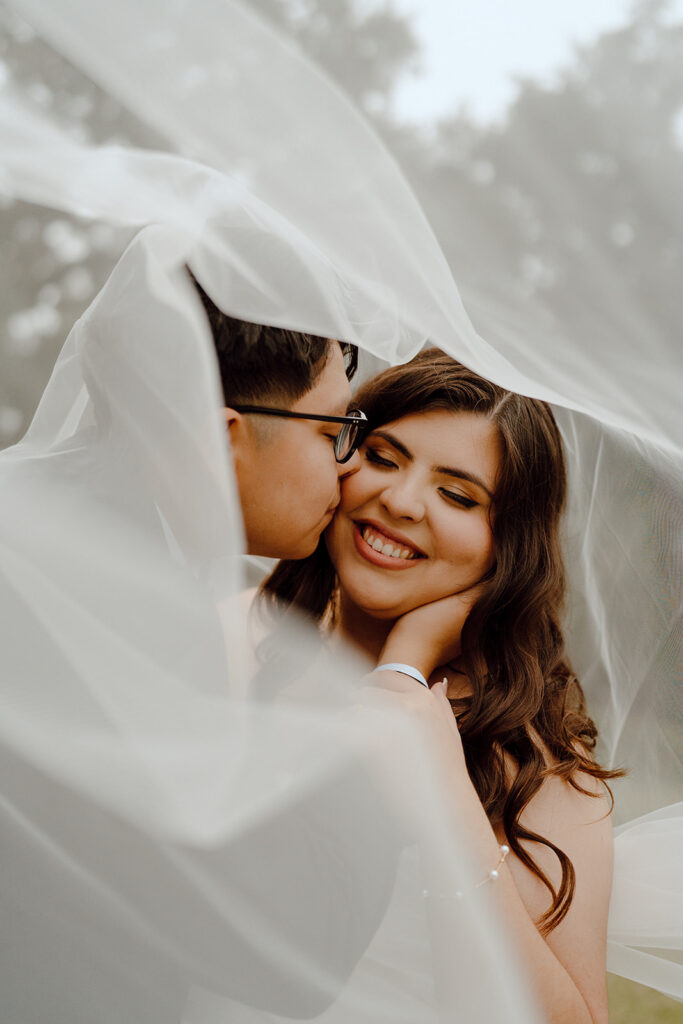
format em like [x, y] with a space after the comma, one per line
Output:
[360, 629]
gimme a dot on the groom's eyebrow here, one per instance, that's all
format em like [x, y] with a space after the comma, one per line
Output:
[460, 474]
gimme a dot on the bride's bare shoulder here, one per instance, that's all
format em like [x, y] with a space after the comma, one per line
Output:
[562, 805]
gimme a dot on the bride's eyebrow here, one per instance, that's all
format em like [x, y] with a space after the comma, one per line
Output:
[394, 442]
[460, 474]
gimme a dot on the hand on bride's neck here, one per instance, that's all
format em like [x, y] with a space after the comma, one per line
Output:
[372, 636]
[427, 637]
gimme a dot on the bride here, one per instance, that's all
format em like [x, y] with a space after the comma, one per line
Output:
[461, 492]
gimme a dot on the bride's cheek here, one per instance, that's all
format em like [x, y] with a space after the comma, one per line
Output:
[353, 493]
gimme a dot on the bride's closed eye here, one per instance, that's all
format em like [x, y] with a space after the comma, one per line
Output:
[378, 460]
[458, 499]
[453, 497]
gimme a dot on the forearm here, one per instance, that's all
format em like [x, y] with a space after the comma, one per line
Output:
[556, 993]
[553, 987]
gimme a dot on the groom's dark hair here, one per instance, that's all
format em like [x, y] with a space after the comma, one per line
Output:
[258, 362]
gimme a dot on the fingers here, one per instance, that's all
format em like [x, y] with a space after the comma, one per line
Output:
[440, 690]
[440, 694]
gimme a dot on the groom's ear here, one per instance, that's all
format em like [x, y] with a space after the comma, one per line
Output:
[236, 427]
[247, 438]
[231, 417]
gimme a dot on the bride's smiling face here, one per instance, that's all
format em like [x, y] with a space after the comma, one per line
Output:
[414, 523]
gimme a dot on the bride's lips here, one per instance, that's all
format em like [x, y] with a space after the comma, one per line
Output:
[377, 557]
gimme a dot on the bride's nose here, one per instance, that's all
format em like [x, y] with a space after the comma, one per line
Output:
[403, 499]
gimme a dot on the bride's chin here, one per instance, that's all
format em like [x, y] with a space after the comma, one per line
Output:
[374, 607]
[381, 614]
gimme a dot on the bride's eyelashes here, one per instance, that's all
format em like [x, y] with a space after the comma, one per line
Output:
[378, 460]
[458, 499]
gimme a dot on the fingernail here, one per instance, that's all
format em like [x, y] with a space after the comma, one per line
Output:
[444, 683]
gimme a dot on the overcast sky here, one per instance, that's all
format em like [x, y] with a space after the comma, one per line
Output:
[474, 48]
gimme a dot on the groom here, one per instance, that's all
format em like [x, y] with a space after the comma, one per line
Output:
[290, 457]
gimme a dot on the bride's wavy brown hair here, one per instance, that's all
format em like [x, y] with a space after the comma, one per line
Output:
[527, 708]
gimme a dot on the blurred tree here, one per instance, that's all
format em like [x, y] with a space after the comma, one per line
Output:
[575, 197]
[51, 264]
[366, 50]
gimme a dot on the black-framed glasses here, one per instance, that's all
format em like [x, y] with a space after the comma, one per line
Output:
[354, 426]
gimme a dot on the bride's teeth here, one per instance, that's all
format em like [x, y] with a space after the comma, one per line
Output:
[384, 547]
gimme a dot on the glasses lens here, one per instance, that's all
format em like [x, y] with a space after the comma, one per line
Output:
[348, 438]
[343, 446]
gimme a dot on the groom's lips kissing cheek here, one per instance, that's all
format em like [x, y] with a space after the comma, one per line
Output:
[383, 547]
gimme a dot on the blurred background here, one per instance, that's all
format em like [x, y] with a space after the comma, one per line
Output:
[544, 141]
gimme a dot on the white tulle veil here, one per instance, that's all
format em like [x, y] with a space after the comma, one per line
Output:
[142, 758]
